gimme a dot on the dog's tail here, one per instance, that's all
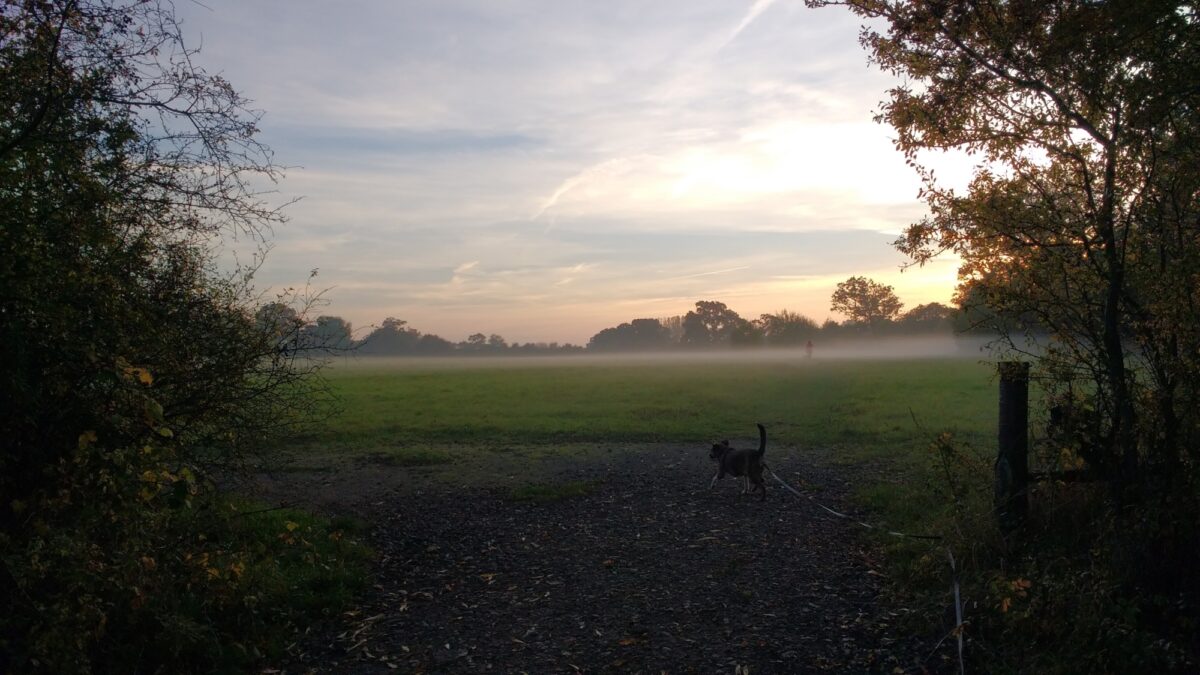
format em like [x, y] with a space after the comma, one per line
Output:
[762, 441]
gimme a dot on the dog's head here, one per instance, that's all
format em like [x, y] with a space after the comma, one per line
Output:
[718, 450]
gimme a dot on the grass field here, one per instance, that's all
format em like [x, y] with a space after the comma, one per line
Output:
[489, 423]
[420, 410]
[474, 421]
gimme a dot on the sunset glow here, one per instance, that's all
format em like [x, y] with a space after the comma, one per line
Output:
[543, 171]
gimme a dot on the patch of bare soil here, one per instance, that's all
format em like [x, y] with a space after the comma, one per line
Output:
[648, 572]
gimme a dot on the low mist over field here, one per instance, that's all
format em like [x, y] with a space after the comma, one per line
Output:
[882, 349]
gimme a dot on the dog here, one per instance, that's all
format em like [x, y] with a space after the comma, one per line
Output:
[745, 464]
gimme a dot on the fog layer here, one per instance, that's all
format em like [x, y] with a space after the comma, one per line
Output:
[875, 349]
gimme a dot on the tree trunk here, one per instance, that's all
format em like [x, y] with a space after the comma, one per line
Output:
[1123, 449]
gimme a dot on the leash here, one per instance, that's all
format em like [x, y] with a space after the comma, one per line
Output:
[838, 514]
[960, 624]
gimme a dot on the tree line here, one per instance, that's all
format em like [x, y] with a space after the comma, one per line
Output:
[332, 335]
[872, 310]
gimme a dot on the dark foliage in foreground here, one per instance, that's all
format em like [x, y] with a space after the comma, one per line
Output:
[131, 369]
[1080, 220]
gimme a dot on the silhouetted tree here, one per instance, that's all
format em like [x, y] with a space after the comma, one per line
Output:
[931, 317]
[637, 335]
[434, 345]
[787, 328]
[1084, 209]
[866, 302]
[281, 321]
[478, 343]
[329, 333]
[674, 326]
[393, 337]
[832, 329]
[713, 324]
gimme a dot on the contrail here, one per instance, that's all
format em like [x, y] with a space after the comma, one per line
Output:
[709, 274]
[756, 9]
[605, 168]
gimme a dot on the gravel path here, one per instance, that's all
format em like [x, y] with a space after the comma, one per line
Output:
[649, 571]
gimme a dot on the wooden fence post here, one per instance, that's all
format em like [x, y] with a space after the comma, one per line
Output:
[1012, 461]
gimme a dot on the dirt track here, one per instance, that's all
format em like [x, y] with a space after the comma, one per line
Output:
[648, 572]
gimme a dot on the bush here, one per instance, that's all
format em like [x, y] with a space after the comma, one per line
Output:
[1075, 589]
[133, 370]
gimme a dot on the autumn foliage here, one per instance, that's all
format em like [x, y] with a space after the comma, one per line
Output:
[133, 373]
[1078, 241]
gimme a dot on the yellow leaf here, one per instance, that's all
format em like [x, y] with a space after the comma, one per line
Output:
[142, 375]
[86, 439]
[291, 526]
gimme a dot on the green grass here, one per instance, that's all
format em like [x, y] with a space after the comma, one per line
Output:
[852, 409]
[479, 419]
[311, 563]
[878, 416]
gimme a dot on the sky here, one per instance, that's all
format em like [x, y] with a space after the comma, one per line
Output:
[546, 169]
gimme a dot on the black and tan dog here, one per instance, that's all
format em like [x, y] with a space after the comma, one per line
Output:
[746, 464]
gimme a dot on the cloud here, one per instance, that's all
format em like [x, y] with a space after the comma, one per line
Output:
[711, 273]
[608, 169]
[332, 145]
[589, 162]
[756, 9]
[461, 271]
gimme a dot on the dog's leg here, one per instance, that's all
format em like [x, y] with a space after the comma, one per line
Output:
[714, 480]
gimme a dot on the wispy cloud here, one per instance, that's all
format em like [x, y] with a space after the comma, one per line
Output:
[543, 170]
[460, 272]
[603, 170]
[709, 274]
[756, 9]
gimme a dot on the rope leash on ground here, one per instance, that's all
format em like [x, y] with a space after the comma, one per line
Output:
[958, 605]
[894, 533]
